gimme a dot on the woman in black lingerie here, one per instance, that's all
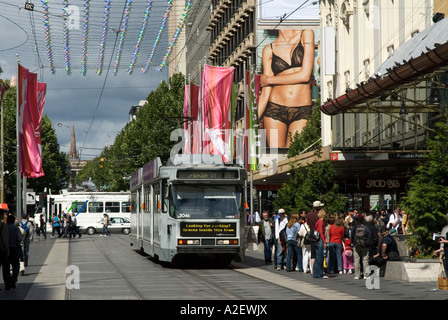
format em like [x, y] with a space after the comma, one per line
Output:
[285, 100]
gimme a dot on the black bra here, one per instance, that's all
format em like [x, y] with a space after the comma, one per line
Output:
[278, 64]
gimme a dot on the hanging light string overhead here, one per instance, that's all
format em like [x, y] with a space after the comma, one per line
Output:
[176, 35]
[75, 27]
[85, 32]
[65, 14]
[126, 14]
[46, 21]
[140, 36]
[103, 36]
[162, 28]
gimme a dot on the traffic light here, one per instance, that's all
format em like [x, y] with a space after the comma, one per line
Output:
[43, 199]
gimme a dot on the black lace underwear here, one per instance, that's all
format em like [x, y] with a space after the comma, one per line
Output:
[287, 115]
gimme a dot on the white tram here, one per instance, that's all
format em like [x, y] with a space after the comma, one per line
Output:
[89, 207]
[182, 211]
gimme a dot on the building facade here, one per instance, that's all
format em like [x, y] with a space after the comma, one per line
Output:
[373, 135]
[376, 141]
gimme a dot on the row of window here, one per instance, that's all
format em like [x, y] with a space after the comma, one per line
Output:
[102, 207]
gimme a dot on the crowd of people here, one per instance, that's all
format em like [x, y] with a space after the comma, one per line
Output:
[65, 225]
[322, 243]
[17, 234]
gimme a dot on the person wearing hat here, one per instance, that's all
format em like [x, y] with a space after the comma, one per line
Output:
[312, 217]
[279, 226]
[388, 248]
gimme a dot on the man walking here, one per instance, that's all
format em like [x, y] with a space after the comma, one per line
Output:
[359, 237]
[266, 235]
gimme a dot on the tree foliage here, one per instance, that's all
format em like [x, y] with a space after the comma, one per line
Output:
[308, 184]
[426, 201]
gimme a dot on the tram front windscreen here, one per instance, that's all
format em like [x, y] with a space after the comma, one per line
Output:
[199, 202]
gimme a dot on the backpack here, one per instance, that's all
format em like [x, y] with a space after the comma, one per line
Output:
[361, 237]
[24, 226]
[282, 235]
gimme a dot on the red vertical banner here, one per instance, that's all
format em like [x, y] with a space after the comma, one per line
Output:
[187, 108]
[191, 96]
[194, 103]
[216, 96]
[31, 100]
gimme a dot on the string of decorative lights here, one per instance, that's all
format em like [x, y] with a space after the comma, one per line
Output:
[65, 15]
[46, 21]
[103, 36]
[162, 27]
[85, 32]
[127, 12]
[94, 21]
[140, 36]
[176, 34]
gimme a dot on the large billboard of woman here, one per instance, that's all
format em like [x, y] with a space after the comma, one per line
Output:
[285, 102]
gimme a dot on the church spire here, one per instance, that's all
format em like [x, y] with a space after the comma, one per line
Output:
[73, 154]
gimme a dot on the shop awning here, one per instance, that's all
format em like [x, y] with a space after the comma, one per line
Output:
[417, 58]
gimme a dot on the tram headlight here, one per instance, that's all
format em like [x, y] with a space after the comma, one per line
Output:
[227, 242]
[182, 242]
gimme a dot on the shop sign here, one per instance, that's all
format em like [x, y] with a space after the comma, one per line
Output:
[381, 184]
[339, 156]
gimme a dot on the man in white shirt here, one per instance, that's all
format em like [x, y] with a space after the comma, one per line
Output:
[280, 224]
[395, 220]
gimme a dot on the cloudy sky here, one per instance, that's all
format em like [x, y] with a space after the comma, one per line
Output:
[96, 104]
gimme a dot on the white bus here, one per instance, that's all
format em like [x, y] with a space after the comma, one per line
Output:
[89, 207]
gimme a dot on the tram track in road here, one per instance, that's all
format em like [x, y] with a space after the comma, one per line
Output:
[116, 269]
[111, 269]
[106, 262]
[123, 276]
[222, 289]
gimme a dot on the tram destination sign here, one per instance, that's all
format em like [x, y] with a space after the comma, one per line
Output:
[207, 174]
[207, 229]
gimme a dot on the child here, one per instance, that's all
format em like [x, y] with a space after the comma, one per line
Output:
[347, 256]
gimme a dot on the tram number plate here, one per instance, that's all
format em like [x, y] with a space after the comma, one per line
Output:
[203, 229]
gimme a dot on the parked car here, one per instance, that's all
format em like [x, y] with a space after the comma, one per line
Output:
[117, 224]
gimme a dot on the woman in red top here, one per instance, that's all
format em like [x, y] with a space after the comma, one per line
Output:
[318, 266]
[335, 246]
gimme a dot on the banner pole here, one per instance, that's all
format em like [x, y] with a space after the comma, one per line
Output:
[18, 175]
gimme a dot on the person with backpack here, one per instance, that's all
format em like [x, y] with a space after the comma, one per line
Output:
[305, 245]
[292, 244]
[318, 265]
[395, 221]
[359, 236]
[280, 235]
[28, 230]
[312, 217]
